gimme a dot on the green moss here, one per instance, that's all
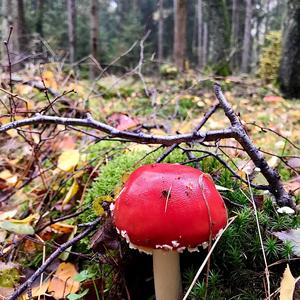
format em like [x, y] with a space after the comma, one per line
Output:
[9, 277]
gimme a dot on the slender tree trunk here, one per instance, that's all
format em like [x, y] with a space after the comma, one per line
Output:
[234, 35]
[180, 33]
[200, 34]
[71, 8]
[289, 76]
[94, 35]
[21, 28]
[161, 31]
[39, 18]
[7, 21]
[205, 43]
[247, 38]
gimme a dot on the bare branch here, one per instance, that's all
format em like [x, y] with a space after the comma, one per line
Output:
[276, 187]
[113, 132]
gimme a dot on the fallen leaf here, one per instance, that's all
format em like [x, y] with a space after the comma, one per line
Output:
[17, 228]
[37, 290]
[122, 121]
[71, 192]
[293, 185]
[7, 214]
[294, 162]
[8, 177]
[31, 218]
[62, 228]
[293, 236]
[287, 285]
[273, 99]
[68, 160]
[62, 283]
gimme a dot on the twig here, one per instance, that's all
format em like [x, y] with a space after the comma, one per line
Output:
[28, 283]
[195, 130]
[271, 175]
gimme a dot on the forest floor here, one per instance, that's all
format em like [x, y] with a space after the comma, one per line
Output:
[46, 181]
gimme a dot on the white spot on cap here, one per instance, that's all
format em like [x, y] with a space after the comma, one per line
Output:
[165, 247]
[175, 244]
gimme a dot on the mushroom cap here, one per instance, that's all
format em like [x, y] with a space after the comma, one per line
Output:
[169, 206]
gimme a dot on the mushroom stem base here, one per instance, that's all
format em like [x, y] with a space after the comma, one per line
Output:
[167, 279]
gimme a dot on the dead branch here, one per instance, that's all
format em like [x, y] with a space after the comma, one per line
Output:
[113, 132]
[276, 187]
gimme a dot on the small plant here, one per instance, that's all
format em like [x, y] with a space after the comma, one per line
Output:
[270, 57]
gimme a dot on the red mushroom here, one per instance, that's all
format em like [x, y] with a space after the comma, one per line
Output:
[164, 209]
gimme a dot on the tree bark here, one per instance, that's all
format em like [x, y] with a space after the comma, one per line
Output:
[94, 36]
[7, 21]
[160, 31]
[71, 8]
[247, 38]
[21, 28]
[180, 19]
[289, 75]
[39, 18]
[200, 33]
[234, 35]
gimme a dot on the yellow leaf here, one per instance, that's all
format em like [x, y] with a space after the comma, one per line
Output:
[71, 193]
[287, 285]
[27, 220]
[68, 160]
[62, 283]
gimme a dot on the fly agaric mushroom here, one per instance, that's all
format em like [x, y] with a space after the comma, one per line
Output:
[164, 209]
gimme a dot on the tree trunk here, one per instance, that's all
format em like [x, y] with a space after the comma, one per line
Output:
[160, 31]
[71, 8]
[21, 28]
[247, 38]
[39, 18]
[200, 34]
[205, 43]
[289, 75]
[234, 35]
[7, 21]
[180, 19]
[94, 36]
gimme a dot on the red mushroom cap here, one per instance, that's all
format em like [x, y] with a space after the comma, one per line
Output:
[169, 206]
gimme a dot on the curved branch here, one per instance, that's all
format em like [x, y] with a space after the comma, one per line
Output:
[113, 132]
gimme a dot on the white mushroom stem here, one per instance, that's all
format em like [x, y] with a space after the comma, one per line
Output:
[167, 278]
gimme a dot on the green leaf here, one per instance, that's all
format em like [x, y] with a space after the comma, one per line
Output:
[77, 296]
[83, 275]
[17, 227]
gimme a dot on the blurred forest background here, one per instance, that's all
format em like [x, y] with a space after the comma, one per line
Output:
[221, 36]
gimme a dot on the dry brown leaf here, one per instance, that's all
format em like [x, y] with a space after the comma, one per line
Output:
[62, 283]
[62, 228]
[38, 290]
[293, 185]
[287, 285]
